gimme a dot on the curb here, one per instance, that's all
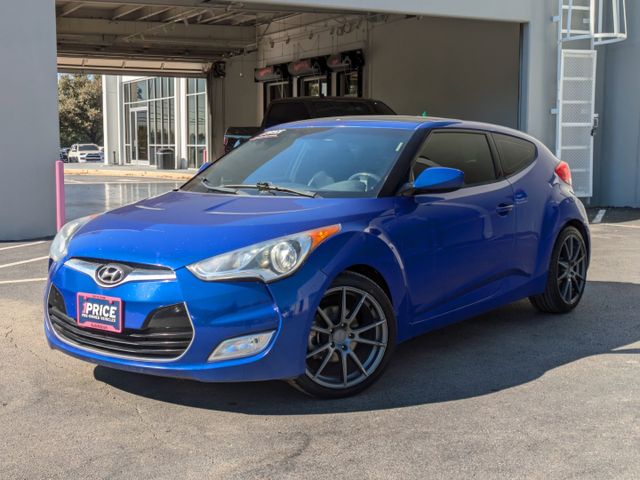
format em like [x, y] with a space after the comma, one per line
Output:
[130, 173]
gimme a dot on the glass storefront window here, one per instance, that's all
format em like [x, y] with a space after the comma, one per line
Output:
[196, 121]
[349, 84]
[191, 115]
[165, 121]
[141, 90]
[156, 96]
[202, 136]
[152, 123]
[314, 86]
[275, 91]
[172, 123]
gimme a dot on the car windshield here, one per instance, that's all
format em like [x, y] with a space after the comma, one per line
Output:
[88, 146]
[326, 162]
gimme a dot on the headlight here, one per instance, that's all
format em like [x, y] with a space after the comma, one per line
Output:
[60, 243]
[265, 261]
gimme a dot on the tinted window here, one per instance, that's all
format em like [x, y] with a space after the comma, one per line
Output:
[382, 109]
[337, 109]
[468, 152]
[343, 108]
[515, 153]
[285, 112]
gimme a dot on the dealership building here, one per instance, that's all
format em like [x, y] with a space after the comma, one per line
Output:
[177, 73]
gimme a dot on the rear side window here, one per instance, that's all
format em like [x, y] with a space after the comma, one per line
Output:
[469, 152]
[337, 109]
[285, 112]
[515, 153]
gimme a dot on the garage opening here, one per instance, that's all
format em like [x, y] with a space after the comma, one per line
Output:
[179, 76]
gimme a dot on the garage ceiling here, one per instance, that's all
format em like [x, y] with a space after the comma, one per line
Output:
[178, 37]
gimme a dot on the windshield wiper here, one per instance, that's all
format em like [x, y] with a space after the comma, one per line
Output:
[220, 189]
[269, 187]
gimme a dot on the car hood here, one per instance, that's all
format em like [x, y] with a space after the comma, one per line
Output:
[180, 228]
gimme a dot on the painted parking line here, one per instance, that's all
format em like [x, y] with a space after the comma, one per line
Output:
[22, 262]
[22, 245]
[598, 218]
[23, 280]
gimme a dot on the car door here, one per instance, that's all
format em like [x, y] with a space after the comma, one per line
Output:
[457, 246]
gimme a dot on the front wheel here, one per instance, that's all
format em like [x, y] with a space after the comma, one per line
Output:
[352, 338]
[567, 274]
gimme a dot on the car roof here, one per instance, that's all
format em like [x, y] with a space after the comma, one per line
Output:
[404, 122]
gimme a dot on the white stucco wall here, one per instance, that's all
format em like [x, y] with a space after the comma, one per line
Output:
[29, 141]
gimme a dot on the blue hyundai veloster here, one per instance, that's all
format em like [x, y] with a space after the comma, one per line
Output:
[308, 253]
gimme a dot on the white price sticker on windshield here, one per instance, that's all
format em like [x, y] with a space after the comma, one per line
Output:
[268, 134]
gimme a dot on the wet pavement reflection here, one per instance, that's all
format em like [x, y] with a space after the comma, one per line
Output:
[86, 196]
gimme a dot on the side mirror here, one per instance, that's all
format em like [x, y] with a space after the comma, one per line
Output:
[437, 180]
[204, 166]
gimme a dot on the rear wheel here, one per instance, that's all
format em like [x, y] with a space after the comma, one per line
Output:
[351, 339]
[567, 274]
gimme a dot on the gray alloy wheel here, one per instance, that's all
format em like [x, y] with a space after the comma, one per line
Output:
[567, 274]
[351, 338]
[572, 268]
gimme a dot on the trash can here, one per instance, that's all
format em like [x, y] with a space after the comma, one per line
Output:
[166, 159]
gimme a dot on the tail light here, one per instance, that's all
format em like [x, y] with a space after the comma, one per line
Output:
[563, 171]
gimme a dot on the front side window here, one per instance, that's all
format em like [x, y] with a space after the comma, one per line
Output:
[331, 162]
[515, 153]
[469, 152]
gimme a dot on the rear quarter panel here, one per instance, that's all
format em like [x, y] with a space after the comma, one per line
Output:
[549, 205]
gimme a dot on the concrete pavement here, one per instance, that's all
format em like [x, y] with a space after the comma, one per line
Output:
[511, 394]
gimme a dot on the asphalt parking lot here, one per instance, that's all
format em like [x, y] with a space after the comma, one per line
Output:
[510, 394]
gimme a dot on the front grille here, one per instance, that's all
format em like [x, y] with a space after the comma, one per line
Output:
[166, 332]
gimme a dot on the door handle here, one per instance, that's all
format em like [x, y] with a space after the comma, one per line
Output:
[504, 209]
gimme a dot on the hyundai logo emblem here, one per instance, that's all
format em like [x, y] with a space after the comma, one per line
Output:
[110, 274]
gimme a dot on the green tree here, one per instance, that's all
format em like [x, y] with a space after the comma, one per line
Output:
[80, 109]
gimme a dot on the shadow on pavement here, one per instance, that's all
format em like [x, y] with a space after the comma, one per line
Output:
[502, 349]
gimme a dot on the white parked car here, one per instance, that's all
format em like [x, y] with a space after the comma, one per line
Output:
[85, 152]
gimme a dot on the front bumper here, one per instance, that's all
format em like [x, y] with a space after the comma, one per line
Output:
[217, 311]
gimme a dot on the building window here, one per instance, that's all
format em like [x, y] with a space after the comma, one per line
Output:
[196, 121]
[350, 83]
[276, 90]
[314, 86]
[149, 118]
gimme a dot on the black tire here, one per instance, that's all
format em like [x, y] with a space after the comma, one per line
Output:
[351, 351]
[567, 274]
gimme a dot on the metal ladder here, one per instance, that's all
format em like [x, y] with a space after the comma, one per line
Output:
[586, 24]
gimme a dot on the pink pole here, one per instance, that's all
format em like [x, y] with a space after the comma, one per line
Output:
[60, 215]
[204, 155]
